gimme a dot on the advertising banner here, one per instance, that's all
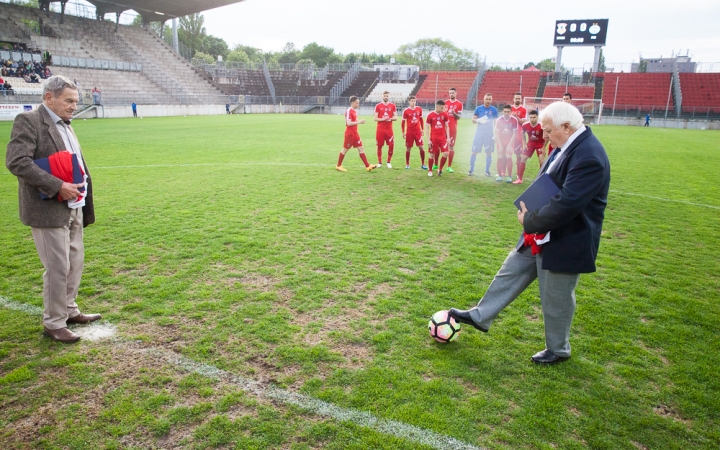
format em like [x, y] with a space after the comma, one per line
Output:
[8, 112]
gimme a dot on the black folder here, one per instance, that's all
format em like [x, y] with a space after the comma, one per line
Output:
[539, 193]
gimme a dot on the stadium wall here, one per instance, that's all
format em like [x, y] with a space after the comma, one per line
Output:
[115, 112]
[685, 124]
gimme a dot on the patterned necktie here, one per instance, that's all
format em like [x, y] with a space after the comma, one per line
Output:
[551, 159]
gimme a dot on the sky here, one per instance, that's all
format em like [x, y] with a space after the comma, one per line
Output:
[503, 31]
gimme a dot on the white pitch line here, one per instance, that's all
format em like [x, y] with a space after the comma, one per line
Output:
[272, 392]
[248, 163]
[702, 205]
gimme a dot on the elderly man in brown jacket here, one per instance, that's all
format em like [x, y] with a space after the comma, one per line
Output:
[57, 228]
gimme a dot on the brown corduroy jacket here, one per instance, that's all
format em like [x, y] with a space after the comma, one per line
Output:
[35, 136]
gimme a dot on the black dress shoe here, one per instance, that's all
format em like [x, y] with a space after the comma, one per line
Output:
[548, 357]
[463, 316]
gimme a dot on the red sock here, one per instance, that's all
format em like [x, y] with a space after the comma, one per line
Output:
[509, 166]
[379, 154]
[340, 159]
[442, 163]
[430, 162]
[391, 148]
[520, 169]
[501, 166]
[364, 159]
[452, 154]
[422, 156]
[437, 156]
[407, 157]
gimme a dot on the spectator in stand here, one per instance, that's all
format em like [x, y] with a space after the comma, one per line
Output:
[96, 95]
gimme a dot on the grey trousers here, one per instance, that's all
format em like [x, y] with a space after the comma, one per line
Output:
[62, 254]
[557, 296]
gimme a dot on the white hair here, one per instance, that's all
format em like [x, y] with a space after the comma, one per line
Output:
[560, 112]
[56, 84]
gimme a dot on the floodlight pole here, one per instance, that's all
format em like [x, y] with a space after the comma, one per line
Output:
[667, 106]
[176, 44]
[558, 59]
[596, 59]
[617, 82]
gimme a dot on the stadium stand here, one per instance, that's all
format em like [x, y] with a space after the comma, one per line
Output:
[503, 85]
[399, 92]
[363, 84]
[584, 92]
[636, 91]
[437, 83]
[700, 92]
[244, 82]
[296, 83]
[167, 75]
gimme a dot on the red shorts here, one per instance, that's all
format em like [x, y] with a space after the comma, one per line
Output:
[438, 145]
[414, 138]
[502, 144]
[352, 140]
[530, 151]
[384, 137]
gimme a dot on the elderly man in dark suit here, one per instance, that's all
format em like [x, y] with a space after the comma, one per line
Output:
[560, 240]
[57, 226]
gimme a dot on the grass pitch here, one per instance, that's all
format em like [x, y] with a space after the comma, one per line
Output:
[232, 241]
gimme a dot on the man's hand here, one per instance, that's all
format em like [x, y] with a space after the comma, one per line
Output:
[404, 137]
[521, 213]
[69, 191]
[361, 122]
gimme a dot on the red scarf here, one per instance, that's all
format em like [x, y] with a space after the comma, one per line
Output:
[530, 241]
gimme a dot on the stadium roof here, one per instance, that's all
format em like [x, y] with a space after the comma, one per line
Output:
[160, 10]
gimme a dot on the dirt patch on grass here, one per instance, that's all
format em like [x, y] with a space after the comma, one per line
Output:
[406, 271]
[667, 411]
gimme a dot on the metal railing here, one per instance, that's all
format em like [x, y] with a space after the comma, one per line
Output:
[268, 80]
[344, 82]
[101, 64]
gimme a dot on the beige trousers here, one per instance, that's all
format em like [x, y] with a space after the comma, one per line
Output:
[62, 255]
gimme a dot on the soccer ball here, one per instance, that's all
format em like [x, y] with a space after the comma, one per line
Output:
[443, 328]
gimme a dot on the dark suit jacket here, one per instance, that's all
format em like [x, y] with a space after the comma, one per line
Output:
[35, 136]
[575, 216]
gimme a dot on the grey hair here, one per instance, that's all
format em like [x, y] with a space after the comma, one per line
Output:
[56, 84]
[560, 112]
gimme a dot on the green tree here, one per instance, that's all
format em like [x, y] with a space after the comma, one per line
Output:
[191, 32]
[436, 52]
[320, 55]
[303, 62]
[204, 57]
[253, 54]
[238, 56]
[601, 62]
[214, 46]
[289, 54]
[546, 65]
[530, 64]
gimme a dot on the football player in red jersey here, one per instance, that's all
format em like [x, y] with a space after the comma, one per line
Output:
[352, 137]
[506, 131]
[453, 108]
[520, 113]
[437, 122]
[385, 115]
[412, 130]
[534, 144]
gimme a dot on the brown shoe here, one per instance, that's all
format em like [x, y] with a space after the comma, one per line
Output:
[84, 318]
[62, 335]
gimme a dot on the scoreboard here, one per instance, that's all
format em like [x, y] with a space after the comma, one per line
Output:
[580, 32]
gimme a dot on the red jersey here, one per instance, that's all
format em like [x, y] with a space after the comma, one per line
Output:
[506, 128]
[351, 116]
[520, 112]
[385, 110]
[414, 120]
[535, 135]
[437, 122]
[453, 106]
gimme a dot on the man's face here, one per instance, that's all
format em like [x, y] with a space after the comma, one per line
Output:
[517, 100]
[439, 108]
[386, 97]
[567, 99]
[64, 105]
[412, 103]
[533, 119]
[355, 104]
[453, 94]
[557, 134]
[506, 113]
[487, 100]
